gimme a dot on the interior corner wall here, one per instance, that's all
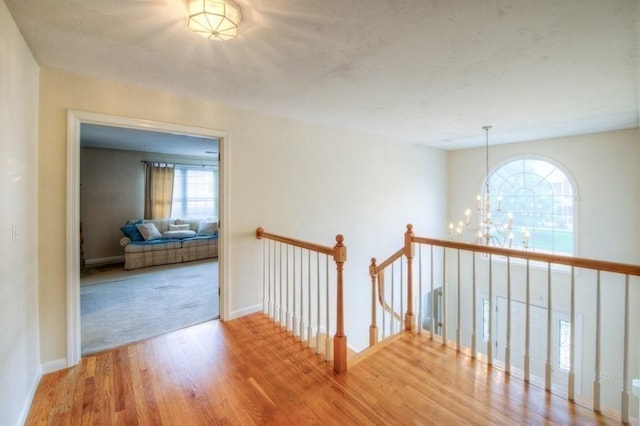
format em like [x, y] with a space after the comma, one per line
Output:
[293, 178]
[19, 360]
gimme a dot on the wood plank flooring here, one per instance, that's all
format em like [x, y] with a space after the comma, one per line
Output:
[249, 371]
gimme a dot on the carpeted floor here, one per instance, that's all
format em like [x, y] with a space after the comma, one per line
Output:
[120, 307]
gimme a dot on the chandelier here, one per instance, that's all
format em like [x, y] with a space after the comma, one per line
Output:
[214, 19]
[494, 227]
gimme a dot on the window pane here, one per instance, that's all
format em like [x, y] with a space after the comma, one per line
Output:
[195, 193]
[540, 198]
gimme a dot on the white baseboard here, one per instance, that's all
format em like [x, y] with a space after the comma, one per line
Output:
[55, 365]
[32, 393]
[245, 311]
[104, 260]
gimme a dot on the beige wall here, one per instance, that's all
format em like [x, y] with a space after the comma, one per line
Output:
[111, 192]
[19, 358]
[300, 179]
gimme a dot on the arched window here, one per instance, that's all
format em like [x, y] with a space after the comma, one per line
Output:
[537, 198]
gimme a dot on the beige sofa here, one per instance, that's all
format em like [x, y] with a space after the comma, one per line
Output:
[199, 241]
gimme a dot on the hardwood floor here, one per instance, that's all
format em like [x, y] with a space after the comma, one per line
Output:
[249, 371]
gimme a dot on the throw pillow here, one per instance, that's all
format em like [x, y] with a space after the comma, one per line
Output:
[149, 231]
[131, 232]
[179, 235]
[184, 227]
[207, 228]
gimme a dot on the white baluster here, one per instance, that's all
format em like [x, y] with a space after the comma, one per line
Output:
[401, 292]
[288, 306]
[295, 317]
[384, 298]
[301, 294]
[547, 370]
[572, 349]
[596, 381]
[310, 328]
[490, 337]
[527, 310]
[473, 302]
[264, 277]
[420, 313]
[327, 340]
[280, 307]
[272, 269]
[625, 356]
[318, 302]
[392, 320]
[458, 306]
[507, 350]
[444, 298]
[432, 300]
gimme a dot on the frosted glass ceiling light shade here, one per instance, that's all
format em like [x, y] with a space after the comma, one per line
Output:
[214, 19]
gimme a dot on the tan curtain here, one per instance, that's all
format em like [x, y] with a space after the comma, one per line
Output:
[158, 191]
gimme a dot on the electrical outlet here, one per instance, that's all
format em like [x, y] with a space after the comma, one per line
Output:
[14, 233]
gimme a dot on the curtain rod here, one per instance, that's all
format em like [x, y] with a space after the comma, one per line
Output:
[178, 164]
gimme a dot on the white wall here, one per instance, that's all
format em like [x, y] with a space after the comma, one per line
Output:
[606, 169]
[293, 178]
[19, 359]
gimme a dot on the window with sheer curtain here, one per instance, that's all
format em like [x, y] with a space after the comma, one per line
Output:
[195, 192]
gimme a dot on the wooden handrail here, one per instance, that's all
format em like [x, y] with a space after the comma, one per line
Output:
[578, 262]
[260, 234]
[339, 254]
[395, 256]
[377, 271]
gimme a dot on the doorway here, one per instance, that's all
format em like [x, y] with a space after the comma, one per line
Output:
[75, 121]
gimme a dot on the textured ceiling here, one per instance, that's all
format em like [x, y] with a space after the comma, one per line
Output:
[431, 72]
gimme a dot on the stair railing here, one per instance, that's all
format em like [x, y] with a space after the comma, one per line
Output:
[392, 312]
[297, 291]
[462, 268]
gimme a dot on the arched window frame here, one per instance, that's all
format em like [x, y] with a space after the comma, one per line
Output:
[569, 176]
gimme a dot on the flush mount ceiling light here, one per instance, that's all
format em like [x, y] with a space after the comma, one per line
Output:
[214, 19]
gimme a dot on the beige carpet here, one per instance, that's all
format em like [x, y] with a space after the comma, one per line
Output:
[120, 307]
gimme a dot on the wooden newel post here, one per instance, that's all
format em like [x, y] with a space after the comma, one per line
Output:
[408, 252]
[373, 329]
[339, 340]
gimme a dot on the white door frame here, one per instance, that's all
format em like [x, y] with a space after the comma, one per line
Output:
[74, 120]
